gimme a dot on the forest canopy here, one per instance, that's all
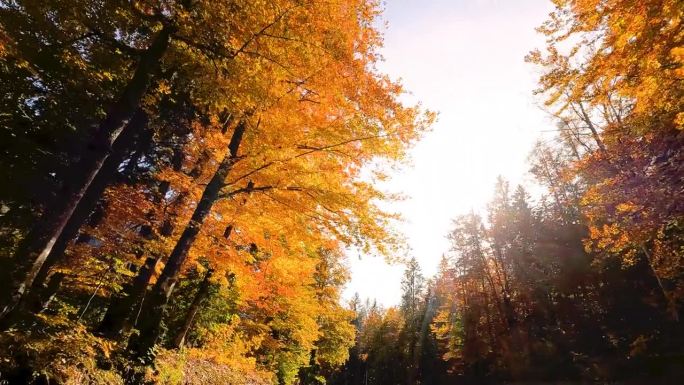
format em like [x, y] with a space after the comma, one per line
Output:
[181, 181]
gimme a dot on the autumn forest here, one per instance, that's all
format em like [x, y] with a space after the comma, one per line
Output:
[184, 181]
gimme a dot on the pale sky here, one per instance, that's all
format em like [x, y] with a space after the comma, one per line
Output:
[465, 60]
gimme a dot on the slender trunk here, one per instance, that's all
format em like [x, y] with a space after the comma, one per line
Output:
[155, 307]
[124, 308]
[568, 139]
[46, 296]
[488, 277]
[552, 182]
[668, 300]
[117, 320]
[43, 237]
[592, 128]
[506, 290]
[488, 315]
[92, 195]
[202, 293]
[138, 150]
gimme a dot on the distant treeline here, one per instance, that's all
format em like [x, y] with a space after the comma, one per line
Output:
[587, 283]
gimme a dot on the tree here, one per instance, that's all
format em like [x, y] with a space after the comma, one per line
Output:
[260, 118]
[620, 81]
[289, 170]
[413, 290]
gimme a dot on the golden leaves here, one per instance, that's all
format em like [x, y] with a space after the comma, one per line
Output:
[629, 47]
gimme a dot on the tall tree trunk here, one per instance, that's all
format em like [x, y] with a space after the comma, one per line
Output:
[124, 307]
[669, 303]
[88, 203]
[202, 293]
[156, 305]
[40, 241]
[46, 296]
[118, 318]
[91, 197]
[141, 146]
[488, 277]
[509, 311]
[594, 132]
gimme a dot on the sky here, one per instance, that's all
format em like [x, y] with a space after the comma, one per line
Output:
[463, 59]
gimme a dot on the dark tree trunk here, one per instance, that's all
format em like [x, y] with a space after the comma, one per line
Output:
[40, 241]
[228, 231]
[48, 294]
[88, 204]
[202, 293]
[92, 196]
[141, 147]
[119, 316]
[150, 325]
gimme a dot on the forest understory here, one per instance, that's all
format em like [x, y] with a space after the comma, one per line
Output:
[182, 180]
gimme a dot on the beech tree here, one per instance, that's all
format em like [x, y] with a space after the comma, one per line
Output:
[201, 136]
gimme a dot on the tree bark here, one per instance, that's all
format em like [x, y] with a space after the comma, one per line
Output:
[43, 237]
[202, 293]
[159, 297]
[671, 308]
[92, 196]
[117, 320]
[592, 128]
[142, 145]
[37, 292]
[46, 296]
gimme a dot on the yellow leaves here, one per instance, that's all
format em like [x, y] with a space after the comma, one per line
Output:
[625, 207]
[318, 113]
[106, 347]
[3, 47]
[677, 56]
[163, 88]
[679, 121]
[639, 346]
[624, 69]
[628, 47]
[106, 75]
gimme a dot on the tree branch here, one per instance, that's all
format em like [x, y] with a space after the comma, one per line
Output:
[311, 149]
